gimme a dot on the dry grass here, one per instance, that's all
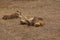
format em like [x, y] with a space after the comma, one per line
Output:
[49, 10]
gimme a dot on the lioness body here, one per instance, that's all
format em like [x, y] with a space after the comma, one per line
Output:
[34, 21]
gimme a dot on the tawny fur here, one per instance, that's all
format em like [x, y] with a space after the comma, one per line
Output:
[34, 21]
[37, 21]
[12, 16]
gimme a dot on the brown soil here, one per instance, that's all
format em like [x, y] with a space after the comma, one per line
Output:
[49, 10]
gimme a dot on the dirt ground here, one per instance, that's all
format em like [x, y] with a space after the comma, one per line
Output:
[49, 10]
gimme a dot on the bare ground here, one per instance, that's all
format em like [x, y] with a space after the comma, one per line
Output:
[49, 10]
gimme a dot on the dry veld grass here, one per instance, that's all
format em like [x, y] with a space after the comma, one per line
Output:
[49, 10]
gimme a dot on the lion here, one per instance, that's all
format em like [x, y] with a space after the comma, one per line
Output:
[33, 21]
